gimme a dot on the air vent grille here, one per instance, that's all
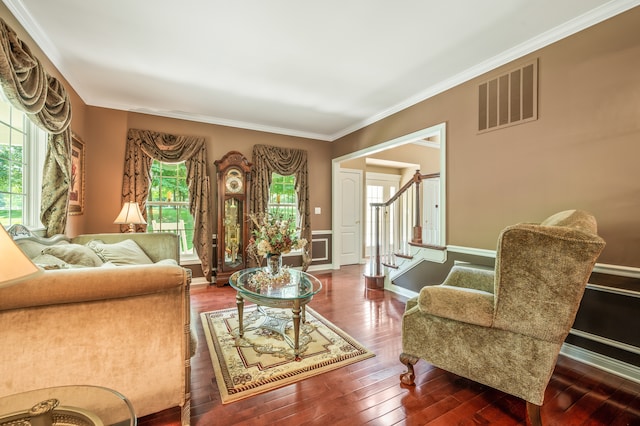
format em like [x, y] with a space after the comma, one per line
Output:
[509, 99]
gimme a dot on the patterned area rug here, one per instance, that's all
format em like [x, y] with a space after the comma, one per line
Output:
[262, 359]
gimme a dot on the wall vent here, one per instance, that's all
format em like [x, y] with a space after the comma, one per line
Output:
[509, 99]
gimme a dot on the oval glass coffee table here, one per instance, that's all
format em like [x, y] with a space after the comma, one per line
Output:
[291, 289]
[77, 405]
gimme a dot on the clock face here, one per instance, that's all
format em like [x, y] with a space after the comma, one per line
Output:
[233, 181]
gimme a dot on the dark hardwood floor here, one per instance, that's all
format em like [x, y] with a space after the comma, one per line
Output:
[369, 392]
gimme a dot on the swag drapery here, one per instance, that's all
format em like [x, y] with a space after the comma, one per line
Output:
[144, 146]
[284, 161]
[29, 88]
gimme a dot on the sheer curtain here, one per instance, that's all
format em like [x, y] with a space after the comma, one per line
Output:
[144, 146]
[284, 161]
[28, 87]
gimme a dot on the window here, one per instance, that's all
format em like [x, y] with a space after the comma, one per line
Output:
[283, 200]
[22, 151]
[168, 203]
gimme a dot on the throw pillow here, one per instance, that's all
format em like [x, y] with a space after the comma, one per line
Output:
[126, 252]
[47, 261]
[74, 254]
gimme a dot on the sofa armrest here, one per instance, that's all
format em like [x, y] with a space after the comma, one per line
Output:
[90, 284]
[460, 304]
[158, 246]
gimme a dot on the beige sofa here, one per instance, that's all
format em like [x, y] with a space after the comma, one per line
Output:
[123, 327]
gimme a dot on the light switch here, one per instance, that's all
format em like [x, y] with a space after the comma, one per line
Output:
[318, 210]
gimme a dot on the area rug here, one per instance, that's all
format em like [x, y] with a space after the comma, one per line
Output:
[262, 359]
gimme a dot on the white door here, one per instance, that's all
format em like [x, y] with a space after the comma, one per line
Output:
[350, 216]
[431, 211]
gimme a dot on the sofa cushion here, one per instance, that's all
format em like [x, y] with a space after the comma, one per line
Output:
[126, 252]
[74, 254]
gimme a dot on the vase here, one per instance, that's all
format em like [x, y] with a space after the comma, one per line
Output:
[274, 263]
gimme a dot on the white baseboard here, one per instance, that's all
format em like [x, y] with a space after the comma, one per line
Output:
[401, 291]
[199, 281]
[610, 365]
[322, 267]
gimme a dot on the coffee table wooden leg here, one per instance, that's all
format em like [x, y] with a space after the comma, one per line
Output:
[296, 329]
[240, 304]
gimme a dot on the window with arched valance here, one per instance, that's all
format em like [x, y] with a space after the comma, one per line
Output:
[284, 161]
[144, 146]
[28, 87]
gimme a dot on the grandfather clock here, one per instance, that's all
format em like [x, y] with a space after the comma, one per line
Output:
[234, 178]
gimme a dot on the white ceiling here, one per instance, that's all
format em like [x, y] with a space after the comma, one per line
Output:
[314, 69]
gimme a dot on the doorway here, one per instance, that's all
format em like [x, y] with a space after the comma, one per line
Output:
[434, 137]
[350, 229]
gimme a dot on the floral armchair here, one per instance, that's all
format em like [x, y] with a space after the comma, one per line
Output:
[504, 328]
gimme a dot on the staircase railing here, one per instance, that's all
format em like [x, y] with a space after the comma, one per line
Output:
[395, 225]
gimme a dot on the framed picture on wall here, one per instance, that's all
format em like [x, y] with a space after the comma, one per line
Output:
[76, 189]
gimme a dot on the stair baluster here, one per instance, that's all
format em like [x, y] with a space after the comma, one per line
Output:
[396, 224]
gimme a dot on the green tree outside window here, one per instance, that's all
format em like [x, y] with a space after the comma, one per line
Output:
[283, 200]
[168, 203]
[12, 163]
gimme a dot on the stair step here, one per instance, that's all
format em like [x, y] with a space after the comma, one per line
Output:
[430, 246]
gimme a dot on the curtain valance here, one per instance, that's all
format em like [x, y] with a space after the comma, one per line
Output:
[144, 146]
[28, 87]
[284, 161]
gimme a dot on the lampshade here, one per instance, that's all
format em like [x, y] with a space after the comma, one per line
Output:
[16, 266]
[130, 215]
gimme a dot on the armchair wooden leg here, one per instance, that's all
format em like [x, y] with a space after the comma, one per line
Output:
[408, 377]
[533, 414]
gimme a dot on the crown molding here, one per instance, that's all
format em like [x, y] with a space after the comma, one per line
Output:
[593, 17]
[35, 31]
[230, 123]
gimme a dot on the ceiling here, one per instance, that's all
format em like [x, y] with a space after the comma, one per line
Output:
[312, 69]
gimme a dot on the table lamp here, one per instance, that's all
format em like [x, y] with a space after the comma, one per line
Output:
[16, 266]
[130, 215]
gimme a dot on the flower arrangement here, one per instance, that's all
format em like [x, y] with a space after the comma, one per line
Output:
[263, 282]
[275, 234]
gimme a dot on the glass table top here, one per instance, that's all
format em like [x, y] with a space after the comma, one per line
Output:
[292, 284]
[71, 405]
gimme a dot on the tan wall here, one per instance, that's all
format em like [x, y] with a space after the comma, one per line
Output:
[582, 152]
[105, 160]
[427, 159]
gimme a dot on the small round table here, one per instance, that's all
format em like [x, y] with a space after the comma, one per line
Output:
[294, 292]
[68, 405]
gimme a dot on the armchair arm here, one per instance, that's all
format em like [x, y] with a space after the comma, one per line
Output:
[456, 303]
[473, 278]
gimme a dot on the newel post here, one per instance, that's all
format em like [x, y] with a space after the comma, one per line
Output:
[417, 227]
[373, 276]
